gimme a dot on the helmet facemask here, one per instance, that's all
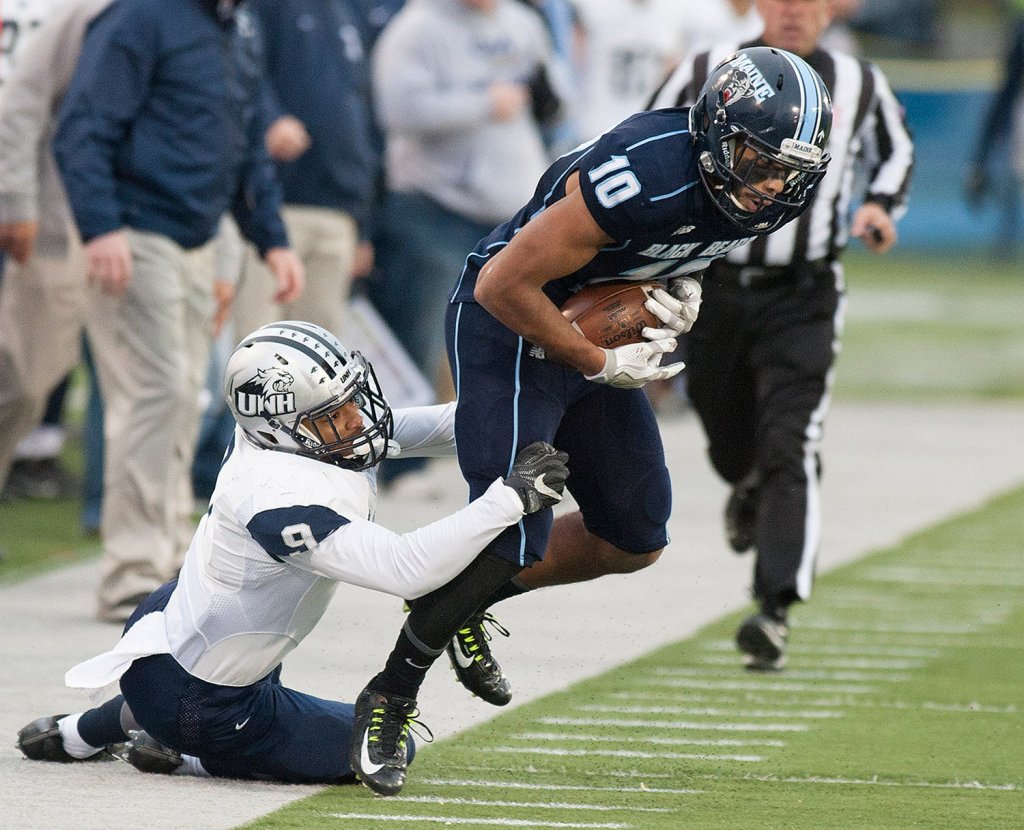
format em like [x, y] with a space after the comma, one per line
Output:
[758, 186]
[318, 434]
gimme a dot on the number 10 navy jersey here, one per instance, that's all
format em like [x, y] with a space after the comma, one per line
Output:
[641, 184]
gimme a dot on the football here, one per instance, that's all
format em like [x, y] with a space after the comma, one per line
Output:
[611, 314]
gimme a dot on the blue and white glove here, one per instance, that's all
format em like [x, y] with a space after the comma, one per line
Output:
[632, 366]
[677, 308]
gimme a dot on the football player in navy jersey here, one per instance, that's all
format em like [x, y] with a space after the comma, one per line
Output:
[658, 197]
[291, 516]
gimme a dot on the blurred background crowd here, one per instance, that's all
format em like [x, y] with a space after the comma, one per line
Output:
[176, 173]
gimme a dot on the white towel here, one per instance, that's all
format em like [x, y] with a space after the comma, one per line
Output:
[148, 636]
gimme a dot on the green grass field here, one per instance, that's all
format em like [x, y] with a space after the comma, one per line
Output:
[902, 707]
[929, 329]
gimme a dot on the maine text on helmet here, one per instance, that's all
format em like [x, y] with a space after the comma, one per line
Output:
[762, 89]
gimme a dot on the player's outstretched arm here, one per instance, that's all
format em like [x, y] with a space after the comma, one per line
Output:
[412, 564]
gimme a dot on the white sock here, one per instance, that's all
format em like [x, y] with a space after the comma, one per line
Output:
[73, 743]
[190, 765]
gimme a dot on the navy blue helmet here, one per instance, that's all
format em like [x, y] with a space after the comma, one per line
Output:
[761, 123]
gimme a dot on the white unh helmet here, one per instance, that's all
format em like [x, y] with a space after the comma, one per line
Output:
[283, 376]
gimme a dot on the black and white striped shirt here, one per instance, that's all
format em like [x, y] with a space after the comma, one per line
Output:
[872, 154]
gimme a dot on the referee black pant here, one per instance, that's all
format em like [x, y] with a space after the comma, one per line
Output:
[759, 359]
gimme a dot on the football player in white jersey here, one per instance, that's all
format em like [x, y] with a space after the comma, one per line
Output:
[292, 516]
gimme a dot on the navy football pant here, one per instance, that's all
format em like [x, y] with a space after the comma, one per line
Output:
[262, 731]
[508, 397]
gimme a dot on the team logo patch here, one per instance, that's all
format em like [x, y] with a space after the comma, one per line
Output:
[737, 85]
[267, 393]
[745, 80]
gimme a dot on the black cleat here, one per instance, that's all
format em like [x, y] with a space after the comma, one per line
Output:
[147, 754]
[41, 741]
[741, 518]
[380, 754]
[762, 639]
[474, 665]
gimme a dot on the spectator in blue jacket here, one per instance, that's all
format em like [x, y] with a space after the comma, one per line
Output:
[323, 140]
[160, 133]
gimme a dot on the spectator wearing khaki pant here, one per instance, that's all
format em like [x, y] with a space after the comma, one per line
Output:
[160, 134]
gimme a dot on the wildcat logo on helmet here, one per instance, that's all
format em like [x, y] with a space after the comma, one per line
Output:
[267, 393]
[737, 85]
[745, 81]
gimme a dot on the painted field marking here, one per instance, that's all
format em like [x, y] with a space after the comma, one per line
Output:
[755, 685]
[942, 629]
[839, 649]
[843, 702]
[848, 664]
[540, 805]
[492, 822]
[672, 724]
[623, 753]
[533, 785]
[789, 674]
[651, 739]
[534, 769]
[866, 782]
[908, 575]
[709, 711]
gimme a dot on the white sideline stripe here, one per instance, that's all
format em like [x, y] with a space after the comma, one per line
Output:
[709, 711]
[532, 785]
[884, 602]
[756, 685]
[796, 674]
[847, 663]
[842, 650]
[608, 739]
[533, 769]
[920, 628]
[932, 606]
[845, 702]
[675, 724]
[495, 822]
[871, 782]
[541, 805]
[623, 753]
[926, 576]
[931, 706]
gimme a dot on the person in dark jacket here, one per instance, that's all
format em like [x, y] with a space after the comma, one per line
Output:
[160, 133]
[327, 153]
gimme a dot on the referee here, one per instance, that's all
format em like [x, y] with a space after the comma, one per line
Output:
[761, 352]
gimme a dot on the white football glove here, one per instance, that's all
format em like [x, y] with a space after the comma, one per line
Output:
[677, 308]
[629, 367]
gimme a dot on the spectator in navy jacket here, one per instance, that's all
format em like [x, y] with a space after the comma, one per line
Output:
[323, 140]
[161, 132]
